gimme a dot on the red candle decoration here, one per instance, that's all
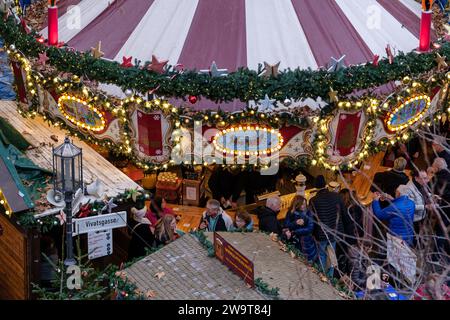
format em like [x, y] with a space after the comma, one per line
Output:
[425, 26]
[53, 25]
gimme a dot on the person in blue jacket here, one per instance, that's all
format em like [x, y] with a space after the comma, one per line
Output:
[399, 214]
[300, 224]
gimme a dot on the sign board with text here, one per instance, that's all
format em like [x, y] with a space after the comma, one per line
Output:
[100, 244]
[100, 222]
[234, 260]
[401, 257]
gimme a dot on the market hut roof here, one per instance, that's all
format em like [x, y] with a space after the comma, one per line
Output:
[11, 185]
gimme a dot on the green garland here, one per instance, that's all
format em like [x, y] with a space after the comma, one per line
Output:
[244, 84]
[203, 239]
[264, 288]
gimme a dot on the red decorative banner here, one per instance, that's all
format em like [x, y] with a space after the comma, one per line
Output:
[289, 132]
[20, 82]
[150, 133]
[347, 133]
[234, 260]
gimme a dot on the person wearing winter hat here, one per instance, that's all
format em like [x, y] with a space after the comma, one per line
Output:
[328, 209]
[141, 234]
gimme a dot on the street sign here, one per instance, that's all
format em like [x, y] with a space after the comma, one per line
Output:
[100, 244]
[100, 222]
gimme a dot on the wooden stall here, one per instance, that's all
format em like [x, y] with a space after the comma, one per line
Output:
[19, 248]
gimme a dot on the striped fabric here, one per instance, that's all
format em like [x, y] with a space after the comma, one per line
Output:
[242, 33]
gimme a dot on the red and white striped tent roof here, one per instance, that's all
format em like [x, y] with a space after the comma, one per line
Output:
[241, 33]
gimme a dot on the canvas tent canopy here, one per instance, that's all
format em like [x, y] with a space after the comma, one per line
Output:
[240, 33]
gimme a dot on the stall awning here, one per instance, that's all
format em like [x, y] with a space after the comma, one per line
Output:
[41, 137]
[12, 190]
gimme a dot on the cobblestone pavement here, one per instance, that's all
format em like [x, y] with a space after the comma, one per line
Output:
[189, 274]
[277, 268]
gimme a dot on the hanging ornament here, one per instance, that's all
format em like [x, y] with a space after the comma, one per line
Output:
[157, 65]
[287, 102]
[214, 71]
[97, 51]
[440, 60]
[266, 105]
[333, 95]
[193, 99]
[271, 70]
[12, 47]
[406, 80]
[336, 64]
[24, 25]
[126, 62]
[128, 92]
[43, 59]
[389, 54]
[375, 61]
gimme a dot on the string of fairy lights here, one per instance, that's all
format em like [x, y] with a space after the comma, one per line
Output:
[73, 89]
[4, 203]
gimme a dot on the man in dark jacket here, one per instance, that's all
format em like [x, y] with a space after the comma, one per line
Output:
[441, 186]
[388, 181]
[225, 186]
[267, 215]
[439, 146]
[328, 209]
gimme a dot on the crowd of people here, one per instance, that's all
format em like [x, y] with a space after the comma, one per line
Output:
[329, 228]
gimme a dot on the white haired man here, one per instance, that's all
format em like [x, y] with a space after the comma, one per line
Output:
[439, 146]
[267, 215]
[399, 214]
[388, 181]
[215, 218]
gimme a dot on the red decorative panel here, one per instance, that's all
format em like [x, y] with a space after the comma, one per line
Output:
[150, 133]
[347, 133]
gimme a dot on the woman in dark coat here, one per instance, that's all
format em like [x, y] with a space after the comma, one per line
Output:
[141, 234]
[352, 218]
[300, 223]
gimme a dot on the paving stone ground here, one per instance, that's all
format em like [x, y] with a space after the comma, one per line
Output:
[189, 274]
[277, 268]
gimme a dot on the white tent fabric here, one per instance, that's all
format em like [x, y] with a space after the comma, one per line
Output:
[271, 36]
[369, 18]
[274, 30]
[85, 12]
[169, 21]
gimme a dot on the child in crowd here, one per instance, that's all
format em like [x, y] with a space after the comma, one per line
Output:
[299, 226]
[243, 222]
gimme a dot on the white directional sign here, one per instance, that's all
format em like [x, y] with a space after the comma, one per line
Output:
[101, 222]
[100, 244]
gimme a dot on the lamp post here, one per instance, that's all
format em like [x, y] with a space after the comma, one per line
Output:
[67, 179]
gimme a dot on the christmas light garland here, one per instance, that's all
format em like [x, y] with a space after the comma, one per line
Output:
[72, 85]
